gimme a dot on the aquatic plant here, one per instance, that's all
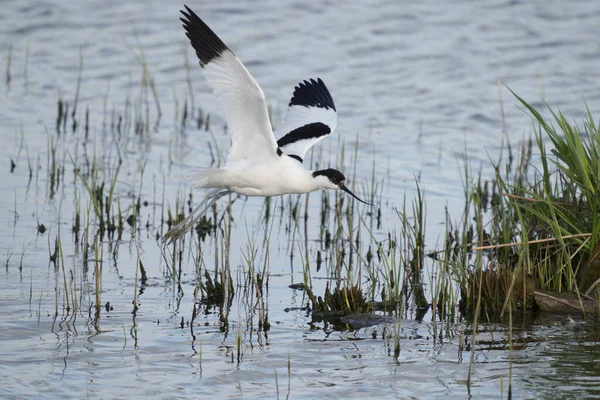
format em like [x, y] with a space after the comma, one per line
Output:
[541, 233]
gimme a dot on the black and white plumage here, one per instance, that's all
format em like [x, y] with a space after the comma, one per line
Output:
[257, 165]
[311, 117]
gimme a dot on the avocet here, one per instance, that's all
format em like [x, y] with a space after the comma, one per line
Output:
[257, 164]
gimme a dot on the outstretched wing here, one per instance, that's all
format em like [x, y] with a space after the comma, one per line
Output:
[240, 96]
[311, 117]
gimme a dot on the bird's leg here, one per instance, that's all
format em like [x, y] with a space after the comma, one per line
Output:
[181, 228]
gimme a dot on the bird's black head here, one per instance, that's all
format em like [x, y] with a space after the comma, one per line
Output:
[335, 181]
[334, 176]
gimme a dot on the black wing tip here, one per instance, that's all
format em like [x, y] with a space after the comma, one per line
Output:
[205, 42]
[188, 13]
[312, 93]
[189, 16]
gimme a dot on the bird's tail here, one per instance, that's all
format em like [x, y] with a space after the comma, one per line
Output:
[205, 177]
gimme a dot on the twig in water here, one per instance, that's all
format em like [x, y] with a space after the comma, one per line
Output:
[501, 245]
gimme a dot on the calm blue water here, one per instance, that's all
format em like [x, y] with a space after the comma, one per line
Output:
[420, 85]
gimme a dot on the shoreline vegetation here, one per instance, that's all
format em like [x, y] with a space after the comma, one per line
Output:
[541, 242]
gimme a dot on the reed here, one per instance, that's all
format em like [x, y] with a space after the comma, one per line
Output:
[77, 90]
[8, 75]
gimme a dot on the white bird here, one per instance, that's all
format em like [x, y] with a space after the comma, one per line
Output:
[258, 165]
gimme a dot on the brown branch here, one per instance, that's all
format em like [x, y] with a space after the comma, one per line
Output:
[498, 246]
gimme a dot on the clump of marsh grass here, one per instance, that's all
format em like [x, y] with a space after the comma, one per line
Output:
[567, 204]
[339, 301]
[541, 233]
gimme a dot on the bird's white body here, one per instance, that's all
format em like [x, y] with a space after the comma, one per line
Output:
[257, 164]
[272, 177]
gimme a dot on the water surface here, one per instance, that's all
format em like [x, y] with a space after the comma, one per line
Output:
[420, 85]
